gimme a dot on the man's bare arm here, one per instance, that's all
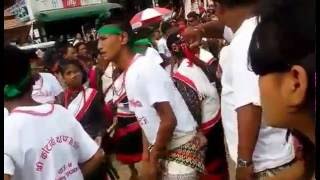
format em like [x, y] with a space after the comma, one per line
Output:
[249, 120]
[145, 152]
[168, 123]
[212, 29]
[91, 165]
[7, 177]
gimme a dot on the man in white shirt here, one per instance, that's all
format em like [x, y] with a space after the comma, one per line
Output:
[255, 147]
[153, 55]
[164, 117]
[47, 88]
[162, 43]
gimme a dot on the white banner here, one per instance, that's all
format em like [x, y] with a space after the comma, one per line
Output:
[44, 5]
[89, 2]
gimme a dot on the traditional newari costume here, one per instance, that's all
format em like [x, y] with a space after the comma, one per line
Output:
[124, 128]
[127, 138]
[87, 108]
[203, 101]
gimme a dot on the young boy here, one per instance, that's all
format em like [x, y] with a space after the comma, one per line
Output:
[167, 124]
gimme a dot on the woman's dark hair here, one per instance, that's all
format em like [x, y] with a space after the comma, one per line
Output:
[31, 53]
[285, 36]
[50, 59]
[64, 64]
[85, 58]
[16, 67]
[62, 47]
[77, 45]
[173, 38]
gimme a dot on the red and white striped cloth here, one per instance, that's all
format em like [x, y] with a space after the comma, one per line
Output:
[149, 16]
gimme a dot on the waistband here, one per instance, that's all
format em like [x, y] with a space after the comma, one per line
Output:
[182, 139]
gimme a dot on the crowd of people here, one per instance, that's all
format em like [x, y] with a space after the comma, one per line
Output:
[180, 96]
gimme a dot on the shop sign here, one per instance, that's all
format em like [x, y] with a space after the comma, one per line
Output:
[44, 5]
[71, 3]
[90, 2]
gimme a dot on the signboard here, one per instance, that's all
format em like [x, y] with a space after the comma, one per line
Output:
[44, 5]
[20, 11]
[90, 2]
[71, 3]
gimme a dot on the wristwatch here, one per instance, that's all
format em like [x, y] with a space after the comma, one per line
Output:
[150, 147]
[243, 163]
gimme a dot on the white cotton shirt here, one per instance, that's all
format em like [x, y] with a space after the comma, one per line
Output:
[228, 34]
[153, 55]
[206, 56]
[5, 113]
[240, 87]
[163, 48]
[148, 83]
[45, 142]
[46, 88]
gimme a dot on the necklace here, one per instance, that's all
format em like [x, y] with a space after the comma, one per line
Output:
[112, 67]
[122, 87]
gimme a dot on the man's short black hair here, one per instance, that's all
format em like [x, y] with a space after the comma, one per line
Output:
[31, 53]
[16, 67]
[62, 47]
[165, 26]
[64, 64]
[173, 38]
[118, 17]
[193, 14]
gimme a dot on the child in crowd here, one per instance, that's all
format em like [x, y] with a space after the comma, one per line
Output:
[41, 141]
[85, 105]
[82, 101]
